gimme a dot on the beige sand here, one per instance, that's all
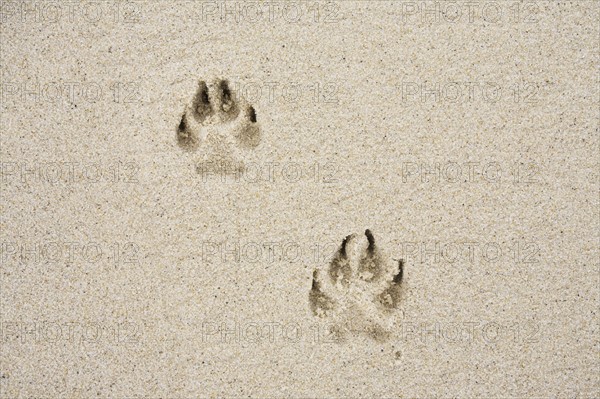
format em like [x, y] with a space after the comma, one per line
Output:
[463, 135]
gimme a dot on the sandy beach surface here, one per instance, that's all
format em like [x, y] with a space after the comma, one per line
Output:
[165, 239]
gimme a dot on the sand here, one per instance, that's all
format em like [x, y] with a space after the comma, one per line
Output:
[463, 135]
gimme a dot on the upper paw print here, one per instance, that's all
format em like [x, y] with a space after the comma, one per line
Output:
[220, 125]
[361, 290]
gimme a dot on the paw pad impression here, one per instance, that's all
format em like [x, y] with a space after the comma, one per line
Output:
[219, 126]
[361, 290]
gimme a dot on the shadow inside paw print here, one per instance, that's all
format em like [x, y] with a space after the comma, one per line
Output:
[362, 291]
[218, 126]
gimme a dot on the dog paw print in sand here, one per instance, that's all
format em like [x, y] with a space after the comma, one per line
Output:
[219, 127]
[360, 291]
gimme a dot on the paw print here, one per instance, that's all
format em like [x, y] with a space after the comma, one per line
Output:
[361, 291]
[218, 126]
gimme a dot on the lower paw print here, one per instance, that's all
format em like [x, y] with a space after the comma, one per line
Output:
[218, 126]
[360, 292]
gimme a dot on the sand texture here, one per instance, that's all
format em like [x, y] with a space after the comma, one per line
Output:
[316, 199]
